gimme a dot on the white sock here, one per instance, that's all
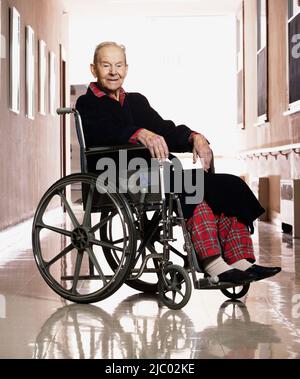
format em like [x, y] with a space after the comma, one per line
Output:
[215, 266]
[242, 264]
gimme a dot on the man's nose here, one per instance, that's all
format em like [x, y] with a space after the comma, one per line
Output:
[113, 70]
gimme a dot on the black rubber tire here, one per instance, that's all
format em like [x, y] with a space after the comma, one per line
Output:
[235, 295]
[119, 277]
[178, 276]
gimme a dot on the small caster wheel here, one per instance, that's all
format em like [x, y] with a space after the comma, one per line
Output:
[235, 293]
[174, 286]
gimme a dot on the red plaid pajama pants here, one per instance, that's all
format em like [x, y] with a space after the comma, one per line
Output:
[219, 235]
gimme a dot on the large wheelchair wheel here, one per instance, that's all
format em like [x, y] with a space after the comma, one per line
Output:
[68, 248]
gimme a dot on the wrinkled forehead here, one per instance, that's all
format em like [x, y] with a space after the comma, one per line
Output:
[111, 54]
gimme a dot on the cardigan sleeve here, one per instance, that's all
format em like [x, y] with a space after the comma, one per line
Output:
[177, 137]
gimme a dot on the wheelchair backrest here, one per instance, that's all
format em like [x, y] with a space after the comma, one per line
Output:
[80, 135]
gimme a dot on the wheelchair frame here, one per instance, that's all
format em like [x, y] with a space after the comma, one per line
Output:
[129, 263]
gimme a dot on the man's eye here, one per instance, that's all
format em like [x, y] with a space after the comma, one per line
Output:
[119, 65]
[105, 65]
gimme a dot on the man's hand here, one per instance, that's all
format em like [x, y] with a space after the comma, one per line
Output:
[155, 143]
[202, 150]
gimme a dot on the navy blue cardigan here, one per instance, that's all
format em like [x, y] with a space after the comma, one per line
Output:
[107, 123]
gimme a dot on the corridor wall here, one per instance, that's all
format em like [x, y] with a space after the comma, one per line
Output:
[281, 127]
[30, 153]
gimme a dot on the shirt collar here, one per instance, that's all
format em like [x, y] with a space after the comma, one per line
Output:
[94, 87]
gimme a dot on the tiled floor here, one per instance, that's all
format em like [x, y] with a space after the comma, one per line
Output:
[37, 323]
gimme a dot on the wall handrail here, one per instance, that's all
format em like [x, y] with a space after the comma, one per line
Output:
[284, 150]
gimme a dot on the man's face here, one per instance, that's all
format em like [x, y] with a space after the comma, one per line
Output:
[110, 69]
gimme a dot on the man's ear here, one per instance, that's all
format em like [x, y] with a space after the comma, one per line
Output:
[93, 70]
[126, 70]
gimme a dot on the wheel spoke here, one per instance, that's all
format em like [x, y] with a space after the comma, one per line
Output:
[105, 244]
[103, 222]
[77, 271]
[173, 296]
[69, 209]
[88, 206]
[180, 293]
[54, 229]
[65, 251]
[120, 240]
[96, 264]
[234, 315]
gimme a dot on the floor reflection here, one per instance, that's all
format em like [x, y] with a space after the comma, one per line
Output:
[36, 322]
[288, 240]
[139, 328]
[238, 336]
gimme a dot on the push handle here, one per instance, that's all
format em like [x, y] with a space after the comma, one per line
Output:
[62, 111]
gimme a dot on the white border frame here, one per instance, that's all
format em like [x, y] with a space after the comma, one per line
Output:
[263, 120]
[52, 83]
[296, 5]
[15, 60]
[295, 106]
[29, 72]
[42, 77]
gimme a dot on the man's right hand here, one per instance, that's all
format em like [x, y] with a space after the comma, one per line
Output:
[155, 143]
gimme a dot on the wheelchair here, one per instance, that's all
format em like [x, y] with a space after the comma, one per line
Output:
[104, 238]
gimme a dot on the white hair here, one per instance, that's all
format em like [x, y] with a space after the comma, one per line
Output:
[108, 43]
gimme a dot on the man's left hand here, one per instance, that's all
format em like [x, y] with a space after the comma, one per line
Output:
[202, 150]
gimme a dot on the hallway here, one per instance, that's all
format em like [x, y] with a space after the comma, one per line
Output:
[227, 69]
[36, 323]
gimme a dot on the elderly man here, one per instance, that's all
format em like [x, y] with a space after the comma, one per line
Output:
[219, 225]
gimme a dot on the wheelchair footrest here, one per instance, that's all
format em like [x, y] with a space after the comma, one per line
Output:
[208, 284]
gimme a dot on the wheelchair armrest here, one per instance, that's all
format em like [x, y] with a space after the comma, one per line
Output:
[112, 149]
